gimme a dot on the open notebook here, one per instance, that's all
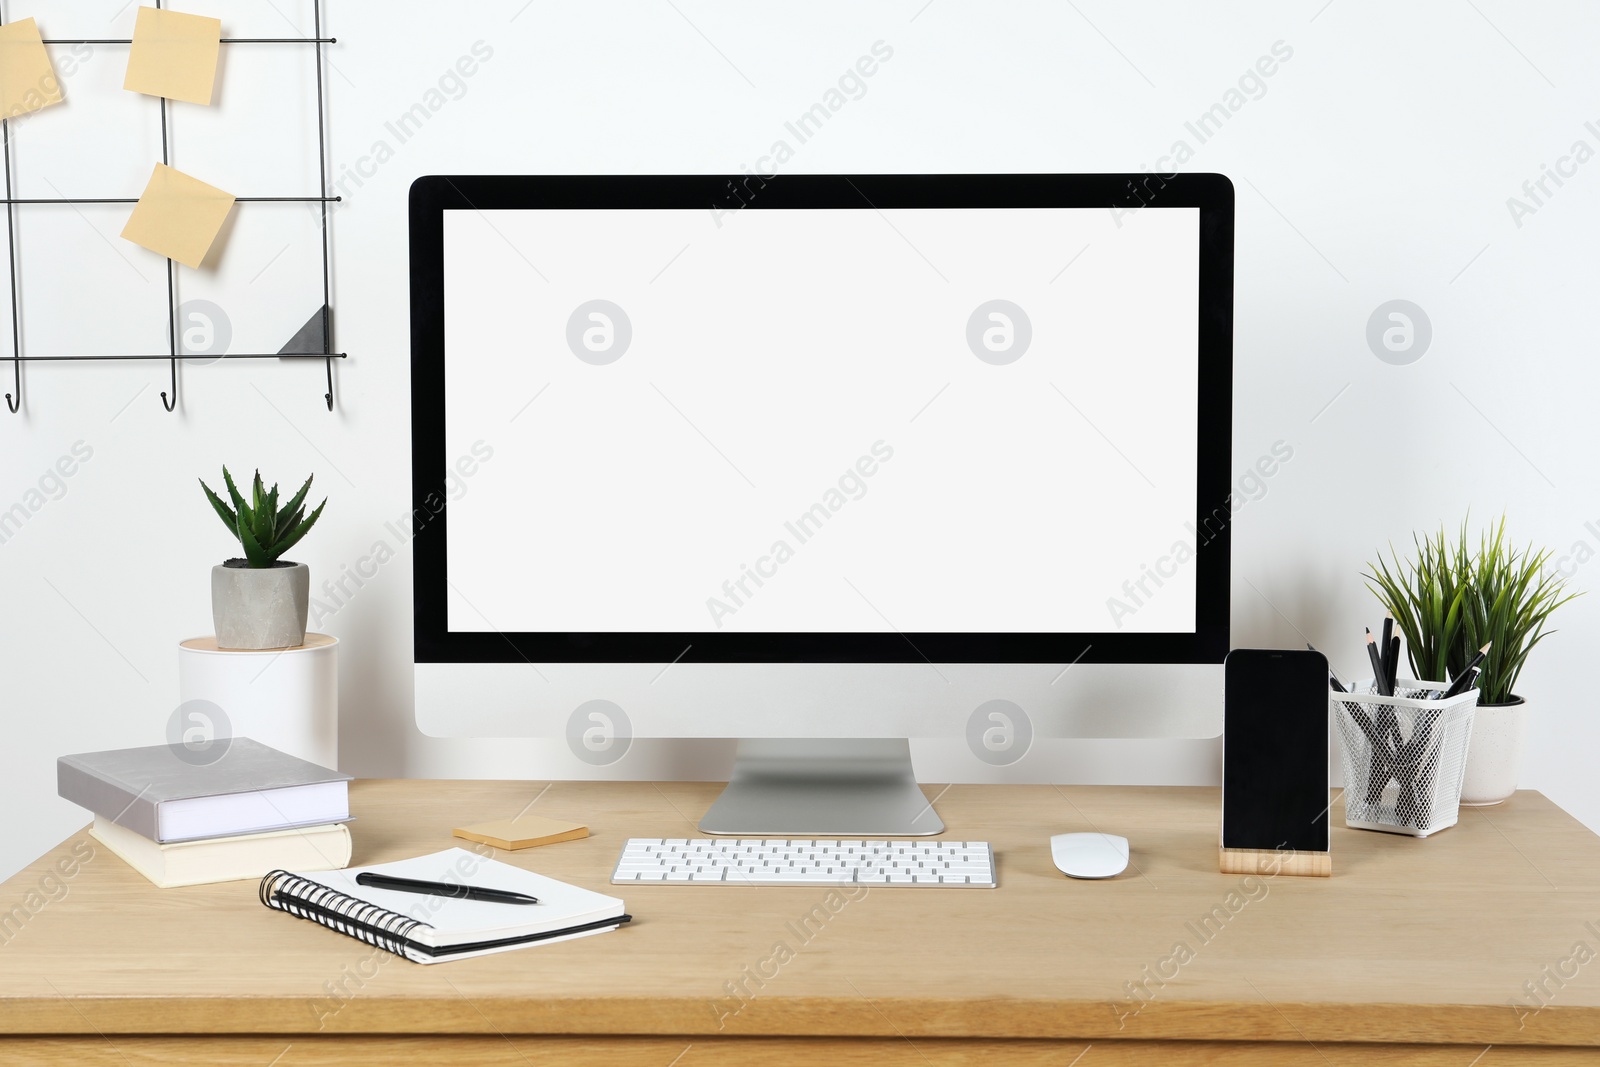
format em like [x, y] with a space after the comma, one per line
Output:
[428, 929]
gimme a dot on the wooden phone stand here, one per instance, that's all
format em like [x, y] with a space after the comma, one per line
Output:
[1270, 861]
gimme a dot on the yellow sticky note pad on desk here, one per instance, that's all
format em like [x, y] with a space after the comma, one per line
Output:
[524, 831]
[174, 55]
[27, 80]
[178, 216]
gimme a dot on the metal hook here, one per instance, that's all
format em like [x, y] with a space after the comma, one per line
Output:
[328, 396]
[15, 406]
[172, 406]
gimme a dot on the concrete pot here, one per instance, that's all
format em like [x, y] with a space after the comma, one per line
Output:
[1494, 756]
[260, 607]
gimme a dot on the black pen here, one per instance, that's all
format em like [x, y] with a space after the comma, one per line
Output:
[443, 889]
[1394, 662]
[1380, 681]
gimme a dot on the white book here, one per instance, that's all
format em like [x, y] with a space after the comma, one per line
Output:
[245, 787]
[430, 929]
[225, 859]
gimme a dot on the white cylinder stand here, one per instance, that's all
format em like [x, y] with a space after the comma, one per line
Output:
[287, 698]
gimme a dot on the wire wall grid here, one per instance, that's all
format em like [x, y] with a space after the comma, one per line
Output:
[314, 340]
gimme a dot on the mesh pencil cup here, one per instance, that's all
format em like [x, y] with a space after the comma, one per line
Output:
[1404, 756]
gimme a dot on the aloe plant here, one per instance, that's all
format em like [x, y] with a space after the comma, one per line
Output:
[265, 531]
[1451, 600]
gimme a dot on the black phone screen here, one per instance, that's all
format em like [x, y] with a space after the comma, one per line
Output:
[1275, 750]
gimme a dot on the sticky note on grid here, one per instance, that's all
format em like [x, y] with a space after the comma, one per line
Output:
[178, 216]
[173, 55]
[27, 80]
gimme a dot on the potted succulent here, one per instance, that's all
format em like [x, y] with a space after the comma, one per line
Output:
[260, 600]
[1451, 600]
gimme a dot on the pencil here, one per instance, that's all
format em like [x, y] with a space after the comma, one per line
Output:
[1384, 647]
[1466, 680]
[1333, 676]
[1468, 675]
[1380, 680]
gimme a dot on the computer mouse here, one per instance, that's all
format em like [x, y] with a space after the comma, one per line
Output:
[1090, 855]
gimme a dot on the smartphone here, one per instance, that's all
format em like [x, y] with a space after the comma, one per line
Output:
[1275, 750]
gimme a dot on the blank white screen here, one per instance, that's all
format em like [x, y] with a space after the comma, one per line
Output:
[776, 355]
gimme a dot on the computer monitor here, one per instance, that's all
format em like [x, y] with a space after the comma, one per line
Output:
[821, 462]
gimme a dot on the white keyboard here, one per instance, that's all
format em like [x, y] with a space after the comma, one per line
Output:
[803, 861]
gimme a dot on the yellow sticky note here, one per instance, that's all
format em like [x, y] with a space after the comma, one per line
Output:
[174, 55]
[178, 216]
[524, 831]
[27, 80]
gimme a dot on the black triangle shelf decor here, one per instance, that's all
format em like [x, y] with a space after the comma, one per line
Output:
[312, 340]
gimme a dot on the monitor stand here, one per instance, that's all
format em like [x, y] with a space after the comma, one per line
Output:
[860, 787]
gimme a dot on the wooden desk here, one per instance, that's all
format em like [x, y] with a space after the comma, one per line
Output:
[1410, 943]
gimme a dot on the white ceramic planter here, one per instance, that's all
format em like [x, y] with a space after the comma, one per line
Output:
[288, 698]
[1494, 756]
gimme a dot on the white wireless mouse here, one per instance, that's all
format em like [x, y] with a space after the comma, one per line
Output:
[1090, 855]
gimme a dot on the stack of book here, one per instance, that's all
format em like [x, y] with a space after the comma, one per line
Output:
[179, 820]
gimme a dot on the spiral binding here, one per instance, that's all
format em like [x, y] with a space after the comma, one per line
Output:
[326, 906]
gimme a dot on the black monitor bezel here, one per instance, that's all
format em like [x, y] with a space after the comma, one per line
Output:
[1126, 194]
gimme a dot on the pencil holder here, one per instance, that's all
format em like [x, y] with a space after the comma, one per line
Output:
[1404, 756]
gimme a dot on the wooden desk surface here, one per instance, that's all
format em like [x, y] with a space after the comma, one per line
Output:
[1434, 941]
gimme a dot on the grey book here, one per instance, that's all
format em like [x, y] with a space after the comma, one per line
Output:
[169, 793]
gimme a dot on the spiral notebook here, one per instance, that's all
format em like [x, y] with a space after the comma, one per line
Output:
[429, 929]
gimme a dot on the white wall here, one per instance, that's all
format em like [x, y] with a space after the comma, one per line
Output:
[1375, 165]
